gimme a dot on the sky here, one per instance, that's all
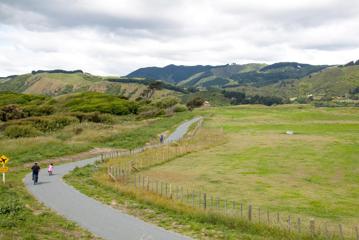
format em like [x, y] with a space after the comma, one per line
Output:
[115, 37]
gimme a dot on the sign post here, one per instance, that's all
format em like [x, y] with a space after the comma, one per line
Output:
[4, 169]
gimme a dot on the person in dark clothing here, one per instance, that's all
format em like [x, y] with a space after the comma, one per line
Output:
[161, 138]
[35, 172]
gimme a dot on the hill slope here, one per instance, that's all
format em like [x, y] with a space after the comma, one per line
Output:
[170, 73]
[286, 79]
[59, 82]
[330, 82]
[228, 75]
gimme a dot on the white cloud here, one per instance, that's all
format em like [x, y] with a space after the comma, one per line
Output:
[117, 36]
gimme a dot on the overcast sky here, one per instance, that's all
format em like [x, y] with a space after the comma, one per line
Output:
[115, 37]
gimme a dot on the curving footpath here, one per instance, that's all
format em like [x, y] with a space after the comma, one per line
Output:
[98, 218]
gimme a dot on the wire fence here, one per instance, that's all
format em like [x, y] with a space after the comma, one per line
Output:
[207, 202]
[127, 172]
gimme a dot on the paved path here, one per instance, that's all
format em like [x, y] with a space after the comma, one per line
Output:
[95, 216]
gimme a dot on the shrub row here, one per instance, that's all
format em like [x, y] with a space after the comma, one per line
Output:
[97, 102]
[35, 126]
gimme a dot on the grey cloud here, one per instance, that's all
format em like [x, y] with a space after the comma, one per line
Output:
[61, 14]
[114, 38]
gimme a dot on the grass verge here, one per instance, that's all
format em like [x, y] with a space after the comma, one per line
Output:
[22, 217]
[198, 224]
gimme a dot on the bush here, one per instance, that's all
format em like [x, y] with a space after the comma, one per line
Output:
[166, 102]
[48, 124]
[150, 113]
[41, 110]
[19, 98]
[11, 112]
[195, 102]
[98, 102]
[17, 131]
[78, 130]
[93, 117]
[179, 108]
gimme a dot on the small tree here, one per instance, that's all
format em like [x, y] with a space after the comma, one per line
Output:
[195, 102]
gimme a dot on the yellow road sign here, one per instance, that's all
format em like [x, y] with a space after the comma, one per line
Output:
[4, 159]
[4, 169]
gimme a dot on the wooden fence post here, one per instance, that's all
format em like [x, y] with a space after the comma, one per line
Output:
[166, 189]
[234, 207]
[278, 219]
[341, 231]
[192, 199]
[357, 232]
[299, 222]
[225, 206]
[177, 193]
[217, 203]
[148, 184]
[289, 223]
[199, 199]
[170, 190]
[268, 217]
[241, 210]
[259, 215]
[312, 226]
[250, 212]
[181, 194]
[326, 230]
[204, 200]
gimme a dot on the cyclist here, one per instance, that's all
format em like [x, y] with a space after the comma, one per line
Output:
[35, 172]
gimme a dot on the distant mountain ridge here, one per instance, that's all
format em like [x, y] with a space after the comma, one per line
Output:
[57, 71]
[228, 75]
[284, 79]
[171, 73]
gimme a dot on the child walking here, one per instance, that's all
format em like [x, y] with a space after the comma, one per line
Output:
[50, 169]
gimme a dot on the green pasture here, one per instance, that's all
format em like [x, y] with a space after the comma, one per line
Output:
[313, 173]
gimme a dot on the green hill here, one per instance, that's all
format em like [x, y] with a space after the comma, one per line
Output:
[59, 82]
[233, 75]
[285, 80]
[170, 73]
[330, 82]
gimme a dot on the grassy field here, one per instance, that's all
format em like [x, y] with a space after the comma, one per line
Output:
[313, 173]
[93, 181]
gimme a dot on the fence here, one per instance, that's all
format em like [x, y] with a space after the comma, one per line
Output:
[206, 202]
[185, 148]
[127, 173]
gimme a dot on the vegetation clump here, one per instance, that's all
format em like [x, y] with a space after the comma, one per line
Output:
[98, 102]
[195, 103]
[17, 131]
